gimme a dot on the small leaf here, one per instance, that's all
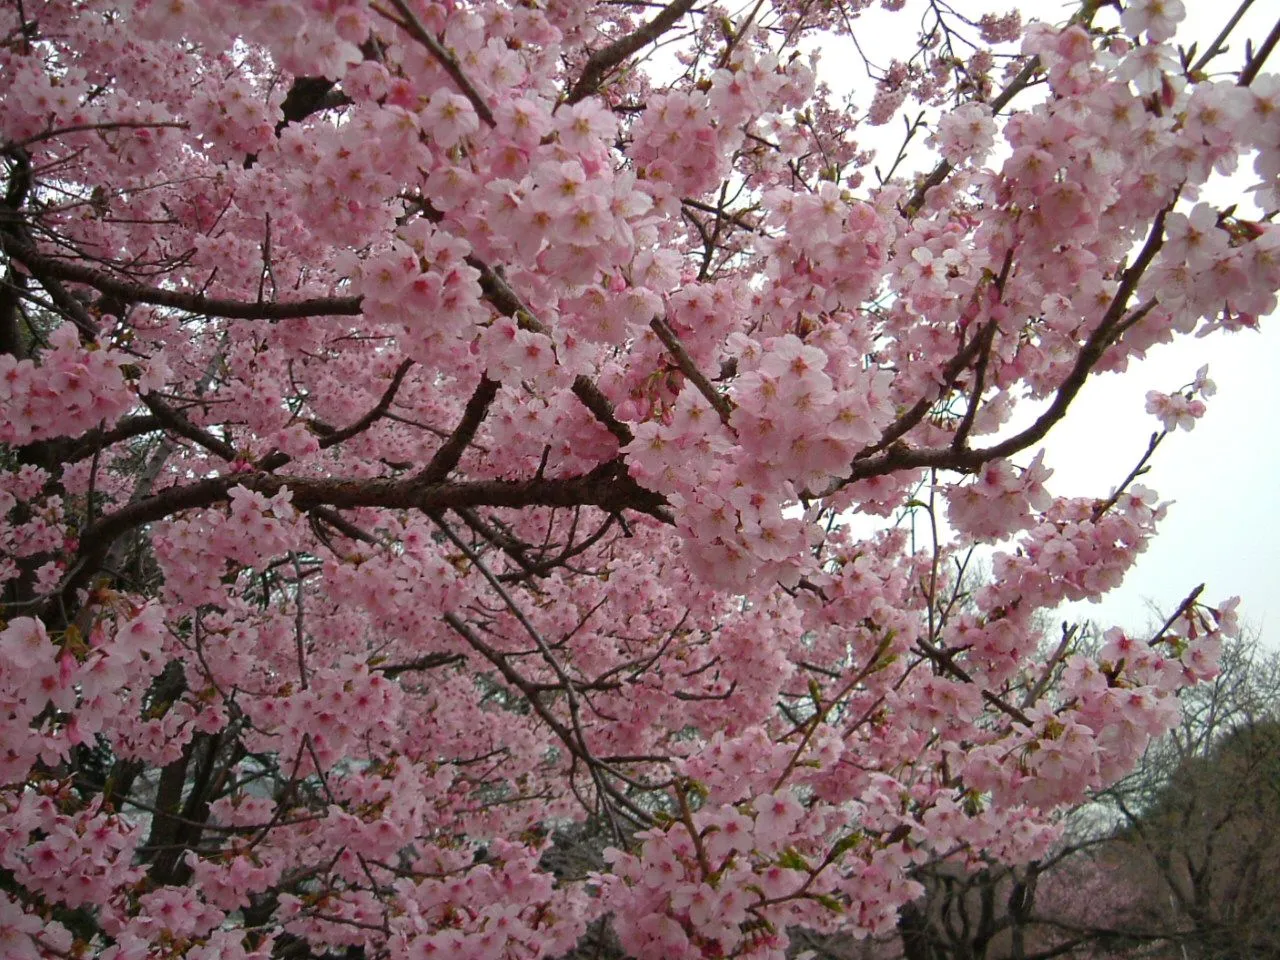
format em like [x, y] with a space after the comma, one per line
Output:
[845, 844]
[828, 901]
[793, 860]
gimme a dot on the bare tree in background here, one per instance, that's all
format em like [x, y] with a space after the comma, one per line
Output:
[1175, 862]
[1199, 841]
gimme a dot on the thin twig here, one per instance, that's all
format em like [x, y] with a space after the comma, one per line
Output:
[1182, 610]
[1259, 57]
[414, 27]
[1217, 46]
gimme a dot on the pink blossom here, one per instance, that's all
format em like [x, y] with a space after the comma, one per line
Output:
[25, 644]
[1157, 18]
[967, 133]
[1174, 410]
[449, 450]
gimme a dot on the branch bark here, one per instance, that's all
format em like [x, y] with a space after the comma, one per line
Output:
[197, 303]
[603, 61]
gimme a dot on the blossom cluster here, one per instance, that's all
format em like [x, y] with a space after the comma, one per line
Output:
[72, 390]
[434, 432]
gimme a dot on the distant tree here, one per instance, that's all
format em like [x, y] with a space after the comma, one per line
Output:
[1190, 862]
[1172, 862]
[1206, 852]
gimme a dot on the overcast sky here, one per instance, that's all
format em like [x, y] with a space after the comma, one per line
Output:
[1223, 528]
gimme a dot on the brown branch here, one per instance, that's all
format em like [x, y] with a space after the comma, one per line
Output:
[62, 300]
[912, 417]
[450, 452]
[128, 428]
[594, 400]
[428, 662]
[382, 406]
[1218, 45]
[946, 660]
[408, 22]
[600, 63]
[726, 215]
[342, 525]
[1183, 608]
[1036, 691]
[173, 420]
[571, 550]
[940, 173]
[533, 698]
[513, 548]
[499, 293]
[979, 378]
[608, 487]
[1139, 469]
[129, 291]
[873, 463]
[719, 401]
[1259, 57]
[86, 127]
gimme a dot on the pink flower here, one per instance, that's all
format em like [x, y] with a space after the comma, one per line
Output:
[17, 930]
[966, 133]
[733, 834]
[24, 644]
[1174, 410]
[1194, 238]
[776, 816]
[1149, 65]
[449, 117]
[1157, 18]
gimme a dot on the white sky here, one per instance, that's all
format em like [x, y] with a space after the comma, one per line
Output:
[1223, 528]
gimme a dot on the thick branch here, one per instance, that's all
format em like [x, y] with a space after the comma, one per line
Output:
[718, 400]
[451, 450]
[608, 487]
[87, 127]
[603, 61]
[175, 421]
[132, 292]
[134, 426]
[430, 661]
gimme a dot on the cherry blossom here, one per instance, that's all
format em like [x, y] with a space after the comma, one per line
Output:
[1156, 18]
[433, 435]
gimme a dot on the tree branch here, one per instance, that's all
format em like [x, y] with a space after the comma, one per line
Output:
[722, 404]
[600, 63]
[450, 452]
[42, 265]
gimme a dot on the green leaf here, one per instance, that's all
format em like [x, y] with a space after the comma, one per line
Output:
[845, 844]
[793, 860]
[828, 901]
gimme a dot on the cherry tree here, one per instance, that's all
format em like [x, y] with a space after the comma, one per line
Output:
[428, 426]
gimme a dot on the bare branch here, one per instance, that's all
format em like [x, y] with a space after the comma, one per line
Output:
[603, 61]
[196, 303]
[718, 400]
